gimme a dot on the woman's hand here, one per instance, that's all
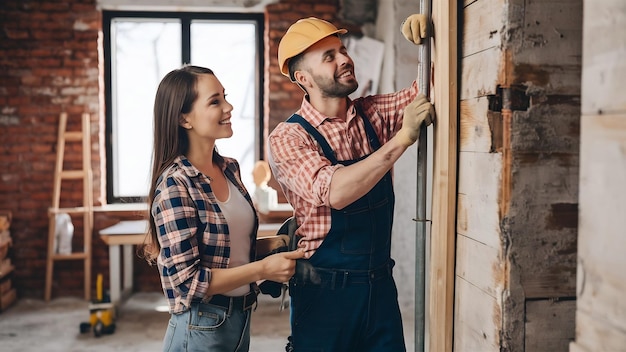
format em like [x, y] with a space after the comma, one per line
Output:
[280, 267]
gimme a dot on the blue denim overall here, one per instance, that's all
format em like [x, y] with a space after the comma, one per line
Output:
[350, 302]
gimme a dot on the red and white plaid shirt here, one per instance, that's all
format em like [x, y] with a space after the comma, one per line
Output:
[304, 173]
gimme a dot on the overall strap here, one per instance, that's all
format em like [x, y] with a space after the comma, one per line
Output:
[328, 151]
[372, 137]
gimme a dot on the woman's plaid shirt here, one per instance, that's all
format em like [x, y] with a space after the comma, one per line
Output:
[192, 231]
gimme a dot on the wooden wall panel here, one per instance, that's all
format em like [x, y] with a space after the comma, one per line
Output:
[480, 74]
[600, 317]
[479, 180]
[544, 316]
[476, 319]
[604, 48]
[445, 131]
[601, 274]
[482, 25]
[480, 265]
[475, 132]
[518, 158]
[593, 334]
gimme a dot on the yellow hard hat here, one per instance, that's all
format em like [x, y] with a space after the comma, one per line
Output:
[300, 36]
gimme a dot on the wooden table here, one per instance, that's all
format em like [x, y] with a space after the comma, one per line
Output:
[124, 235]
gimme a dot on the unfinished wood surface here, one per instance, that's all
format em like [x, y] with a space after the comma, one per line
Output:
[602, 278]
[475, 221]
[479, 192]
[604, 70]
[480, 73]
[482, 24]
[476, 320]
[600, 323]
[475, 127]
[84, 174]
[480, 265]
[545, 315]
[441, 275]
[594, 334]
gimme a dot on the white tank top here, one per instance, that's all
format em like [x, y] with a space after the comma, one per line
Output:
[240, 218]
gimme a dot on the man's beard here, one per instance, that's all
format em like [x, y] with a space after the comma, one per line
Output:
[333, 89]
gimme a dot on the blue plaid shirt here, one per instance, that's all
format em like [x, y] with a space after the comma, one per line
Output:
[192, 231]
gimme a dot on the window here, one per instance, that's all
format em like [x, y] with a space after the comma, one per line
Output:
[139, 49]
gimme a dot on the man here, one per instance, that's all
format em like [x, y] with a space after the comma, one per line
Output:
[333, 161]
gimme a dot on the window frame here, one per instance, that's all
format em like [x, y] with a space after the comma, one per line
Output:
[186, 19]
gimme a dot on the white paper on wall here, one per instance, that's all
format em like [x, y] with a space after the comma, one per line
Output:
[367, 54]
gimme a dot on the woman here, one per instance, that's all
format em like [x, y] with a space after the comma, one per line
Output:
[203, 224]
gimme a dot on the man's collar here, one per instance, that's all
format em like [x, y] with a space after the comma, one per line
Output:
[316, 118]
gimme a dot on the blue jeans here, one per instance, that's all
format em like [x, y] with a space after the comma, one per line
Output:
[206, 327]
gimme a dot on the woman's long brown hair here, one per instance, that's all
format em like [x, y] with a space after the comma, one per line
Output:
[174, 97]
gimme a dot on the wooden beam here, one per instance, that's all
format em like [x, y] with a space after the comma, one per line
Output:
[445, 98]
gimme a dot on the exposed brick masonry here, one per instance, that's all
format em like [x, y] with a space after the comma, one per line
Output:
[48, 64]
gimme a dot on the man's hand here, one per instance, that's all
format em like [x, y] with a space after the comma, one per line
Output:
[415, 28]
[417, 112]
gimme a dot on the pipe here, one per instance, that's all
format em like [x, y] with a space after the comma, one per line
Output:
[420, 240]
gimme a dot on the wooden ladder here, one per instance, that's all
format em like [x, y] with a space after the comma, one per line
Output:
[86, 209]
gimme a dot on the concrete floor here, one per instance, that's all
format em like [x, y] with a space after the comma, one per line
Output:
[35, 326]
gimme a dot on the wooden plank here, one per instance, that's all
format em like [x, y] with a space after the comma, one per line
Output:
[474, 224]
[549, 325]
[478, 200]
[480, 265]
[600, 323]
[481, 73]
[604, 70]
[441, 296]
[468, 2]
[601, 241]
[476, 131]
[482, 24]
[593, 334]
[476, 319]
[574, 347]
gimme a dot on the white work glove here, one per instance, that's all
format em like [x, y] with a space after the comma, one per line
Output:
[417, 112]
[415, 28]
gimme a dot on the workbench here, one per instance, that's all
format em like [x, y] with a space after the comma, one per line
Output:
[123, 235]
[126, 234]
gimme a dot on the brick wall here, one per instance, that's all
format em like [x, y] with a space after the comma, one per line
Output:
[48, 64]
[282, 97]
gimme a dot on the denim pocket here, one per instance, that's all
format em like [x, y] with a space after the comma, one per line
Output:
[209, 317]
[170, 333]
